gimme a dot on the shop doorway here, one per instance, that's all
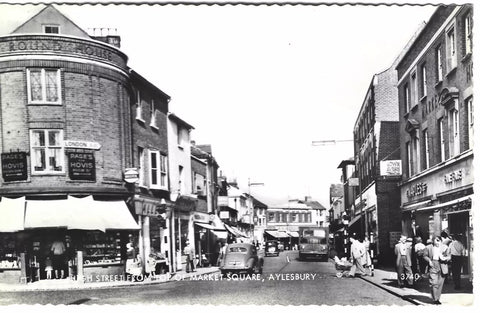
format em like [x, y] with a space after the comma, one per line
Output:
[458, 223]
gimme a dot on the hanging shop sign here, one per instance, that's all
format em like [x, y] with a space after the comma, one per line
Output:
[14, 166]
[131, 175]
[391, 168]
[81, 166]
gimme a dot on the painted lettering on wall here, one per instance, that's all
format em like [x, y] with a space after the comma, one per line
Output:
[453, 177]
[417, 190]
[81, 166]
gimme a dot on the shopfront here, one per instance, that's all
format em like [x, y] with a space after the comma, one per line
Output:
[441, 200]
[75, 238]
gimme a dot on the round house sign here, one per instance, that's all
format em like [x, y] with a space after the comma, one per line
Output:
[131, 175]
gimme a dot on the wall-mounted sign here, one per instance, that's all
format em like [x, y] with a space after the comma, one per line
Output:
[81, 165]
[222, 201]
[224, 214]
[391, 168]
[417, 190]
[453, 176]
[353, 182]
[79, 144]
[131, 175]
[14, 166]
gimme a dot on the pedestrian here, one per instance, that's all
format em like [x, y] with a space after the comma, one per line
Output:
[190, 253]
[357, 254]
[403, 253]
[418, 251]
[457, 251]
[367, 258]
[58, 249]
[437, 256]
[48, 267]
[216, 254]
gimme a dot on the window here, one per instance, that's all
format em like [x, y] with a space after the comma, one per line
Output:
[413, 81]
[415, 155]
[153, 115]
[47, 153]
[158, 170]
[442, 139]
[409, 159]
[271, 216]
[470, 122]
[43, 86]
[468, 33]
[51, 29]
[451, 50]
[294, 217]
[426, 150]
[423, 89]
[406, 94]
[179, 136]
[453, 130]
[139, 111]
[439, 64]
[180, 179]
[141, 166]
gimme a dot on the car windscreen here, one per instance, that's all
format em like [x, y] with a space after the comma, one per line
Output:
[271, 243]
[314, 240]
[238, 249]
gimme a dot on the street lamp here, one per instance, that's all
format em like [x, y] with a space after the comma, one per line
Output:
[252, 229]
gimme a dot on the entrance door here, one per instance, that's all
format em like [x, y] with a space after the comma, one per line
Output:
[458, 224]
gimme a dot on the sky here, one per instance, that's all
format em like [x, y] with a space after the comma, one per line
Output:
[259, 83]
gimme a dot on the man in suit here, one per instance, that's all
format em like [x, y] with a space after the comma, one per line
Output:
[437, 256]
[357, 253]
[403, 252]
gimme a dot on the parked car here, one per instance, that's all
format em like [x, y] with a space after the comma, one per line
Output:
[271, 248]
[241, 258]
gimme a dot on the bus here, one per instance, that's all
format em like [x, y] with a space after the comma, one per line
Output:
[313, 243]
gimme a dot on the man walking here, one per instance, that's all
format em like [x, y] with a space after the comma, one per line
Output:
[457, 250]
[190, 253]
[357, 253]
[403, 252]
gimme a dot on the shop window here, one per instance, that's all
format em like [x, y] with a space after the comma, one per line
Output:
[101, 248]
[47, 152]
[9, 252]
[43, 86]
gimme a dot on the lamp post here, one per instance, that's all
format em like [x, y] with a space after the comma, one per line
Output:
[252, 225]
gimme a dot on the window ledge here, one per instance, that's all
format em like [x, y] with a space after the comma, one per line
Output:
[453, 70]
[44, 103]
[48, 174]
[406, 115]
[140, 119]
[154, 126]
[415, 107]
[439, 83]
[181, 147]
[422, 99]
[467, 57]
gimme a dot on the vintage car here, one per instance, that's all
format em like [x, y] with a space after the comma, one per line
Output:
[241, 258]
[271, 248]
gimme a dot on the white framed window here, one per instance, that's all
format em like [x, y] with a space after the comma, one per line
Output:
[454, 132]
[138, 107]
[423, 89]
[158, 170]
[415, 154]
[426, 150]
[153, 115]
[44, 86]
[406, 94]
[451, 49]
[414, 83]
[470, 121]
[141, 166]
[409, 159]
[51, 29]
[47, 151]
[439, 64]
[179, 136]
[468, 33]
[441, 139]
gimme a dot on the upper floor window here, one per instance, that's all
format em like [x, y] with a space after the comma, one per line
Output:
[51, 29]
[470, 121]
[44, 86]
[47, 152]
[141, 166]
[271, 217]
[406, 94]
[409, 159]
[451, 49]
[138, 108]
[441, 138]
[468, 33]
[426, 150]
[158, 170]
[439, 64]
[453, 132]
[153, 115]
[423, 86]
[413, 82]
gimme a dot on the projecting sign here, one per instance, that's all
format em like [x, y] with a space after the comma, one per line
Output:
[79, 144]
[391, 168]
[81, 166]
[14, 166]
[131, 175]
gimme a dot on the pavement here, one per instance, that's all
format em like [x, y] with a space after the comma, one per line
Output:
[105, 281]
[386, 278]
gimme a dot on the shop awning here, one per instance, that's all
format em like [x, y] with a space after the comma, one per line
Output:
[12, 213]
[354, 220]
[210, 227]
[293, 234]
[444, 204]
[416, 205]
[234, 231]
[220, 234]
[79, 213]
[277, 234]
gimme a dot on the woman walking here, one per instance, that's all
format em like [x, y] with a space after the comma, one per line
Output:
[437, 256]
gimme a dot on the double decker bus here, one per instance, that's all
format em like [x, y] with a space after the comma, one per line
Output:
[313, 243]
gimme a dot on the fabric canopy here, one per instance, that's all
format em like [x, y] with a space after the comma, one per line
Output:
[354, 220]
[210, 227]
[293, 234]
[79, 213]
[12, 213]
[234, 231]
[277, 234]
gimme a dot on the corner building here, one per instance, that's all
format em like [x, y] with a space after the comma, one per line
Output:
[65, 141]
[436, 125]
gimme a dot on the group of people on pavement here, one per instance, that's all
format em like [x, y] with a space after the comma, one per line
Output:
[432, 260]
